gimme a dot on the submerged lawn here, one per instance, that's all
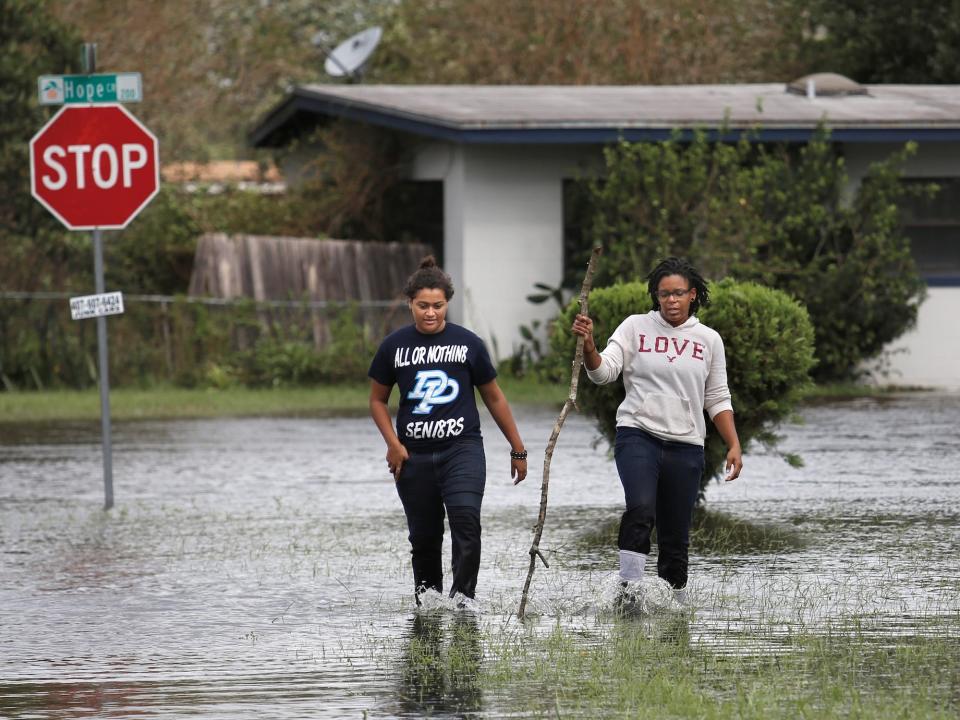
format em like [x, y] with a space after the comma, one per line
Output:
[168, 402]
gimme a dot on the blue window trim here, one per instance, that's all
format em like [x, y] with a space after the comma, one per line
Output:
[302, 102]
[942, 280]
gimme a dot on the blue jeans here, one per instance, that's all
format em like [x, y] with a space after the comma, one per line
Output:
[661, 481]
[453, 479]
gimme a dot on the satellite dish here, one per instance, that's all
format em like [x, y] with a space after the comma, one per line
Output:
[349, 57]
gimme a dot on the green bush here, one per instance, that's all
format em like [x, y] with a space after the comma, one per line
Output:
[768, 341]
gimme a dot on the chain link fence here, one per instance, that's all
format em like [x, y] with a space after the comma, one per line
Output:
[192, 341]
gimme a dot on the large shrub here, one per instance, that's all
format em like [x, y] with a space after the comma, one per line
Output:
[777, 215]
[768, 340]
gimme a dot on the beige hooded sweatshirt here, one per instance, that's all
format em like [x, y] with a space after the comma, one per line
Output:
[671, 375]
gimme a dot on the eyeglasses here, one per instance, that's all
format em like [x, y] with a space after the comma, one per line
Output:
[676, 294]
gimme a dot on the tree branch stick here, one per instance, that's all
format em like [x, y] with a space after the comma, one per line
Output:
[570, 402]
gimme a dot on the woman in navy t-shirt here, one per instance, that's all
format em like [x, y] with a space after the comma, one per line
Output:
[436, 452]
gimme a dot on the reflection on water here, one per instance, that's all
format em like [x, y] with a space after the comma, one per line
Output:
[440, 666]
[260, 567]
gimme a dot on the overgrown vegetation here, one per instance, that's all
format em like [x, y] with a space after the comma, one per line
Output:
[768, 340]
[186, 344]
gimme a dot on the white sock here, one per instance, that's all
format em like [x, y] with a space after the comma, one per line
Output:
[632, 565]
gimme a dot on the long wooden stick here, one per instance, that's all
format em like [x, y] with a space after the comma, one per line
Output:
[570, 402]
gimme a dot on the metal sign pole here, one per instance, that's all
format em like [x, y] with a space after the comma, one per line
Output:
[104, 372]
[89, 58]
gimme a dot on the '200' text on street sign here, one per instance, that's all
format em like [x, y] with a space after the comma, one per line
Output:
[67, 89]
[94, 166]
[91, 306]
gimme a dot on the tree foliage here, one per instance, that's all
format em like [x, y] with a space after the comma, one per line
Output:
[776, 215]
[768, 340]
[214, 68]
[37, 254]
[883, 42]
[211, 69]
[582, 42]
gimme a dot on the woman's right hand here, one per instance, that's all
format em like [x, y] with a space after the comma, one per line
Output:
[396, 456]
[583, 326]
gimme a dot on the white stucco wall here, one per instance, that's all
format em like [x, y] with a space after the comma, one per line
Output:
[928, 355]
[935, 159]
[503, 231]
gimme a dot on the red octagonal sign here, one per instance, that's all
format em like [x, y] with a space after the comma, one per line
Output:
[94, 166]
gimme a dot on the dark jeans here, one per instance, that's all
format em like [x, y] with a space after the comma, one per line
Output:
[452, 478]
[661, 480]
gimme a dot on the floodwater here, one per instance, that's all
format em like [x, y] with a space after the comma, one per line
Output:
[260, 568]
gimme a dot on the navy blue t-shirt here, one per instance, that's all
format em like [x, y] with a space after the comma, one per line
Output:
[436, 375]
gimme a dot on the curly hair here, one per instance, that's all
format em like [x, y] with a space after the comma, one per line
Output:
[678, 266]
[430, 276]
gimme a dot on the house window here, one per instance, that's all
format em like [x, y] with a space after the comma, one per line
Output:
[576, 244]
[413, 212]
[933, 226]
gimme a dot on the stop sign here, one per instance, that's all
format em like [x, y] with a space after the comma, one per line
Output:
[94, 166]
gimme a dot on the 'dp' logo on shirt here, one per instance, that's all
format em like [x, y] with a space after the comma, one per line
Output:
[433, 387]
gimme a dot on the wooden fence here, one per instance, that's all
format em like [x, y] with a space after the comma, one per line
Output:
[267, 268]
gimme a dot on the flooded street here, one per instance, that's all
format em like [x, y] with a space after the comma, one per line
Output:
[260, 567]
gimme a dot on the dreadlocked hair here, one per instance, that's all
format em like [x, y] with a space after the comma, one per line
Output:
[678, 266]
[430, 276]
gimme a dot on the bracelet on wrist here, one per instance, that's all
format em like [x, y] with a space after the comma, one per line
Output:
[518, 455]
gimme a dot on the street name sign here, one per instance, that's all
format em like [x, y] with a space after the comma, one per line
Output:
[91, 306]
[85, 89]
[94, 166]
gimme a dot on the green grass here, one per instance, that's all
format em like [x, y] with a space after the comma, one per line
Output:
[852, 391]
[169, 402]
[158, 403]
[657, 669]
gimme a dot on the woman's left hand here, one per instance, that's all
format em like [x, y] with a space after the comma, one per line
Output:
[733, 465]
[518, 470]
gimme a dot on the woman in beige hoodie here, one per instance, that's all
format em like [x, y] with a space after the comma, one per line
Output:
[674, 370]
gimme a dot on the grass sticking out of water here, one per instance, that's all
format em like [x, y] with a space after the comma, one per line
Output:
[654, 667]
[852, 391]
[715, 533]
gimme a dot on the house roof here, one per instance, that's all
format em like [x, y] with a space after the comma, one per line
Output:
[222, 171]
[505, 114]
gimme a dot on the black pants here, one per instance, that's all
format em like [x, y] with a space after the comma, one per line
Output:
[661, 481]
[451, 479]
